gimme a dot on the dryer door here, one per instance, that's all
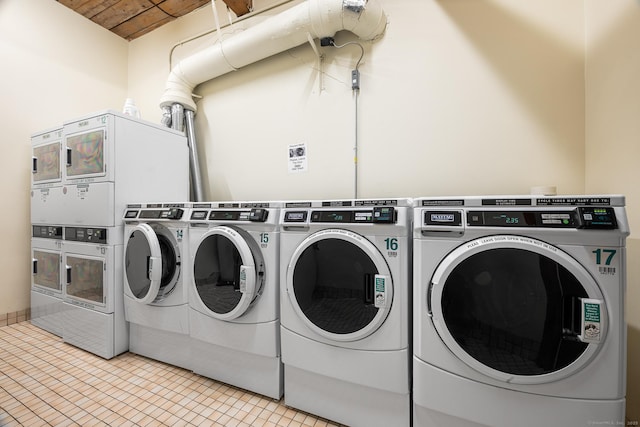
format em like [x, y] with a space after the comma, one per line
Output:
[340, 285]
[85, 154]
[151, 263]
[517, 309]
[228, 274]
[46, 166]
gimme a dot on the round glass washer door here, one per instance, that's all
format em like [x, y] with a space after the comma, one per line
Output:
[151, 263]
[227, 273]
[517, 309]
[340, 285]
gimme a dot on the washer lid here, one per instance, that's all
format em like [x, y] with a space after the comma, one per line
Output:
[143, 263]
[226, 275]
[517, 309]
[340, 285]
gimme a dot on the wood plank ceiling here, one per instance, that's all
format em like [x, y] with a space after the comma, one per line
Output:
[131, 19]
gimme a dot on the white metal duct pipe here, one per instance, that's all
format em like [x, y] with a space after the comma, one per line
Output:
[318, 18]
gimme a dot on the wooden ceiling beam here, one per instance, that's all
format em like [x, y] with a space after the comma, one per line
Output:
[239, 7]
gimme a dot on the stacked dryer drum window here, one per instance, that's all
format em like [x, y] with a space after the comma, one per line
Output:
[234, 318]
[345, 281]
[519, 311]
[106, 159]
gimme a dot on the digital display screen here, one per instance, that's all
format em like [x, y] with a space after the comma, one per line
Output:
[225, 215]
[331, 216]
[514, 218]
[155, 214]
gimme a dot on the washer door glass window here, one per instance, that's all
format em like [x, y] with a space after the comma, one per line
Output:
[513, 308]
[340, 285]
[151, 264]
[227, 276]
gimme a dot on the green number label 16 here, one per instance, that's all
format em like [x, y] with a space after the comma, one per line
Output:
[392, 243]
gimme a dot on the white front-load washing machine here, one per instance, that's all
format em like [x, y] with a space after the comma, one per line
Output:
[519, 311]
[233, 294]
[156, 275]
[345, 311]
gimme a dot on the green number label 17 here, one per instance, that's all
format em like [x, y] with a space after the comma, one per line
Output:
[605, 255]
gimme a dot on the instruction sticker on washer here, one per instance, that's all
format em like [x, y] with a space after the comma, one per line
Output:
[82, 191]
[298, 158]
[591, 320]
[380, 291]
[243, 279]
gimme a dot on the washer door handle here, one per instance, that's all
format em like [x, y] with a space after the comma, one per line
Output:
[154, 273]
[369, 288]
[247, 280]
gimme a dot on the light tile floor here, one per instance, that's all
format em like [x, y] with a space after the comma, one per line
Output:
[46, 382]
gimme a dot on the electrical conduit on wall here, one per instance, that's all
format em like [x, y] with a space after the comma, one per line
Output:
[293, 27]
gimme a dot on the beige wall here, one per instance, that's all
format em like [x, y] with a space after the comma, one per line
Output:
[56, 65]
[458, 97]
[612, 135]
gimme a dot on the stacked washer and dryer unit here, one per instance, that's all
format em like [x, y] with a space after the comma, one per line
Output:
[83, 176]
[47, 292]
[519, 311]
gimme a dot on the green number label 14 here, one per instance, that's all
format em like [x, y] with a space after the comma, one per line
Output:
[604, 254]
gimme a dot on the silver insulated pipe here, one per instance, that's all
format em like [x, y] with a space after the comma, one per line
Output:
[196, 181]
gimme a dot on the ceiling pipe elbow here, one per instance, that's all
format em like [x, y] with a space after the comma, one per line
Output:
[319, 18]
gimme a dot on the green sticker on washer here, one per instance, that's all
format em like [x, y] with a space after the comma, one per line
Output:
[591, 312]
[379, 284]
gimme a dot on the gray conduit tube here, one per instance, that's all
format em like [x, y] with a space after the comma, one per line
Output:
[196, 181]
